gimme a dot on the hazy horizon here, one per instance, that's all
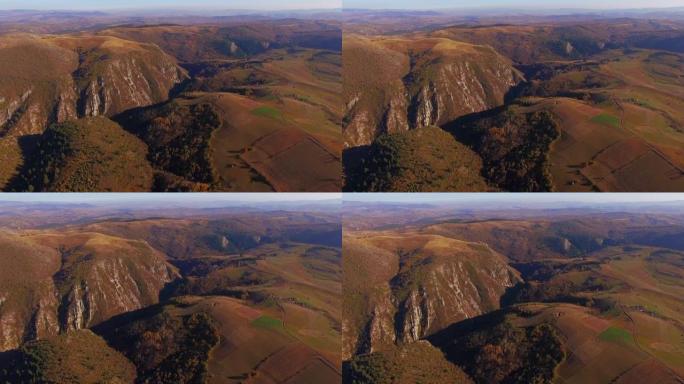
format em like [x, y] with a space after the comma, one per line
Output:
[170, 198]
[509, 4]
[589, 198]
[313, 5]
[114, 5]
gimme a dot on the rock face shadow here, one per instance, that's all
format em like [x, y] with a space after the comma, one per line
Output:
[18, 182]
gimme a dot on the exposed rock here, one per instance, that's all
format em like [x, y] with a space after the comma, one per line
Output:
[380, 328]
[569, 49]
[233, 48]
[393, 85]
[438, 281]
[447, 291]
[49, 292]
[67, 78]
[567, 245]
[224, 242]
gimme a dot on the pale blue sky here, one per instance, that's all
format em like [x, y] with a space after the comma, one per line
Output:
[171, 198]
[537, 4]
[328, 4]
[515, 197]
[175, 4]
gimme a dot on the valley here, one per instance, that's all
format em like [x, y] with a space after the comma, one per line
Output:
[570, 294]
[247, 105]
[566, 104]
[233, 294]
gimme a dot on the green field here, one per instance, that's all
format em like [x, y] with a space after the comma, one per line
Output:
[272, 113]
[268, 322]
[617, 335]
[606, 119]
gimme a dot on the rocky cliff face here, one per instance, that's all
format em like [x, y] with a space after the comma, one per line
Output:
[451, 87]
[396, 84]
[435, 281]
[47, 80]
[437, 293]
[368, 308]
[56, 283]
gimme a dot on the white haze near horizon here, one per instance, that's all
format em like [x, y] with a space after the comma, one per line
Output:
[282, 5]
[105, 5]
[171, 198]
[513, 198]
[511, 4]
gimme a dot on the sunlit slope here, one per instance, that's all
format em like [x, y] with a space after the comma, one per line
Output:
[53, 79]
[90, 154]
[418, 285]
[619, 120]
[236, 143]
[421, 160]
[57, 282]
[393, 84]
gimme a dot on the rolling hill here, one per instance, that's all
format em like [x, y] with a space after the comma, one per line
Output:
[71, 281]
[420, 160]
[424, 283]
[551, 105]
[79, 356]
[543, 295]
[226, 295]
[417, 83]
[87, 155]
[222, 105]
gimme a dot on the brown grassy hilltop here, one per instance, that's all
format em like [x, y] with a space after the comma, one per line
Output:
[425, 283]
[429, 81]
[56, 78]
[59, 282]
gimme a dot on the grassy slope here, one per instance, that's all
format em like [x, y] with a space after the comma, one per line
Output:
[421, 160]
[77, 357]
[417, 362]
[275, 152]
[387, 78]
[93, 154]
[617, 311]
[621, 126]
[631, 322]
